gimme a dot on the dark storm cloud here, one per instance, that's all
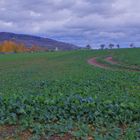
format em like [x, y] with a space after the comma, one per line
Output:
[77, 21]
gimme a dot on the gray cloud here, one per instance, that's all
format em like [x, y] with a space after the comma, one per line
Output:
[75, 21]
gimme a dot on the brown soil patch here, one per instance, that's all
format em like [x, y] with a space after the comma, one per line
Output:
[110, 60]
[65, 137]
[10, 133]
[94, 62]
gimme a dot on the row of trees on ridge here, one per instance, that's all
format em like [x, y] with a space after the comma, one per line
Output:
[110, 46]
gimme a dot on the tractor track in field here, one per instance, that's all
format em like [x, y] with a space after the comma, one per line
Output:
[110, 60]
[93, 61]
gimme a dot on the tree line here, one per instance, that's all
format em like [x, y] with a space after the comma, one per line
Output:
[110, 46]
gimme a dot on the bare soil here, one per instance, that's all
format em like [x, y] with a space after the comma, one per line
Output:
[94, 62]
[110, 60]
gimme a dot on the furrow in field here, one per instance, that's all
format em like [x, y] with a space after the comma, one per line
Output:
[93, 61]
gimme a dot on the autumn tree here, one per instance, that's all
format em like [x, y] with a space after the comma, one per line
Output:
[13, 47]
[0, 48]
[10, 46]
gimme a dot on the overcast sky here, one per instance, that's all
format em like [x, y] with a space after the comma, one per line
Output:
[75, 21]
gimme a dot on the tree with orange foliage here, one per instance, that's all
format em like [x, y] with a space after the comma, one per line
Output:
[34, 48]
[10, 46]
[13, 47]
[21, 48]
[0, 48]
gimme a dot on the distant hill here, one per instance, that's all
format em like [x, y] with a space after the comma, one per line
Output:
[29, 41]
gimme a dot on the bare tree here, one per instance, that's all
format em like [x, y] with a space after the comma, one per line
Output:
[88, 47]
[102, 46]
[118, 46]
[132, 45]
[111, 46]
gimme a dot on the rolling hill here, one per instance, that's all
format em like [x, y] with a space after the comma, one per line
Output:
[29, 41]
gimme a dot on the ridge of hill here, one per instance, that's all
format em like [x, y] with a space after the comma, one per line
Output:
[30, 40]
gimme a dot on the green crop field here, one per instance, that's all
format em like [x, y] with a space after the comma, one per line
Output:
[60, 94]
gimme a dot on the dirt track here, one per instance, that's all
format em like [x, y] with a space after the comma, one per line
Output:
[93, 61]
[110, 60]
